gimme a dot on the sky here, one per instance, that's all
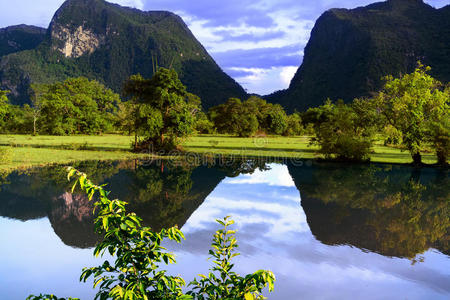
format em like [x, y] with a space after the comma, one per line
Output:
[259, 43]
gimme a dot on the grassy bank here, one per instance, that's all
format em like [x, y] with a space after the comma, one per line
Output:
[297, 147]
[29, 151]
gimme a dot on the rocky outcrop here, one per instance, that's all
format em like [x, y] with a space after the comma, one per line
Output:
[76, 43]
[108, 42]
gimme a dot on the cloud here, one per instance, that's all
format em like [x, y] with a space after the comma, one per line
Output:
[139, 4]
[258, 42]
[260, 57]
[263, 80]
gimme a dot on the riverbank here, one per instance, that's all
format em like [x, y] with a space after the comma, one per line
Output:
[27, 151]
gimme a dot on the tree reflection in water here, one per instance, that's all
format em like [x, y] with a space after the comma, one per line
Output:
[392, 210]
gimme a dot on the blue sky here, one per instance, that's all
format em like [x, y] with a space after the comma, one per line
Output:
[258, 42]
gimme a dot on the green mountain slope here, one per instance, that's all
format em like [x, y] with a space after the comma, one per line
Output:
[108, 42]
[19, 38]
[351, 50]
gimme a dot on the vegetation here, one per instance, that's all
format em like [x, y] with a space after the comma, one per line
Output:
[19, 38]
[340, 132]
[151, 37]
[417, 107]
[410, 113]
[229, 285]
[234, 117]
[161, 112]
[254, 115]
[75, 106]
[351, 50]
[138, 253]
[391, 210]
[27, 151]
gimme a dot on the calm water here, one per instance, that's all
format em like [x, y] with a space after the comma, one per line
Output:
[327, 231]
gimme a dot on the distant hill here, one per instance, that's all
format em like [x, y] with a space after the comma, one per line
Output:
[108, 42]
[21, 37]
[351, 50]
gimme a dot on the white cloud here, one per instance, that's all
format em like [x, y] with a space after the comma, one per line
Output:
[130, 3]
[293, 18]
[287, 74]
[263, 81]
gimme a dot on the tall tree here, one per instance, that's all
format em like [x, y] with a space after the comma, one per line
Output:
[235, 117]
[75, 106]
[164, 111]
[38, 90]
[412, 104]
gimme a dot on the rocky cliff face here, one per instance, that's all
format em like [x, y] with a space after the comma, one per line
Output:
[109, 43]
[351, 50]
[76, 43]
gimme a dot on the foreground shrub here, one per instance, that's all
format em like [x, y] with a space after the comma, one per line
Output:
[229, 285]
[136, 272]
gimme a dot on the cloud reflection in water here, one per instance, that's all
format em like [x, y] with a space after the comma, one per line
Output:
[273, 233]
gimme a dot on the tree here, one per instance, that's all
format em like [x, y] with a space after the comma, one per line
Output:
[13, 118]
[235, 118]
[439, 135]
[276, 120]
[261, 109]
[294, 125]
[163, 113]
[416, 106]
[4, 109]
[75, 106]
[203, 124]
[341, 133]
[38, 90]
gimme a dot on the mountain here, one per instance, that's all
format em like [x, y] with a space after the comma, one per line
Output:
[108, 42]
[351, 50]
[21, 37]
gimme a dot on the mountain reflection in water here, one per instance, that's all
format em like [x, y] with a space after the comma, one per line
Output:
[357, 231]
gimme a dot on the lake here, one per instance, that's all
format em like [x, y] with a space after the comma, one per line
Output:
[327, 230]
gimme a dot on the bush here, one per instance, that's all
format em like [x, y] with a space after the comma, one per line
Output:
[204, 126]
[341, 134]
[138, 252]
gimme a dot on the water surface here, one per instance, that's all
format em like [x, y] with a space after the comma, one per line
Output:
[326, 230]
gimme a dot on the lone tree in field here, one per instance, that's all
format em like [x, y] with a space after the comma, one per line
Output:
[162, 112]
[418, 107]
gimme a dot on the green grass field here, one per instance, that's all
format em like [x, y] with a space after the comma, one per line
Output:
[27, 151]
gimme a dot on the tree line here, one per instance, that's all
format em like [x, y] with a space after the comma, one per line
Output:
[158, 111]
[410, 112]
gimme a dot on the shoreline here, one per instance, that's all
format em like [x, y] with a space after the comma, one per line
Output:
[34, 151]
